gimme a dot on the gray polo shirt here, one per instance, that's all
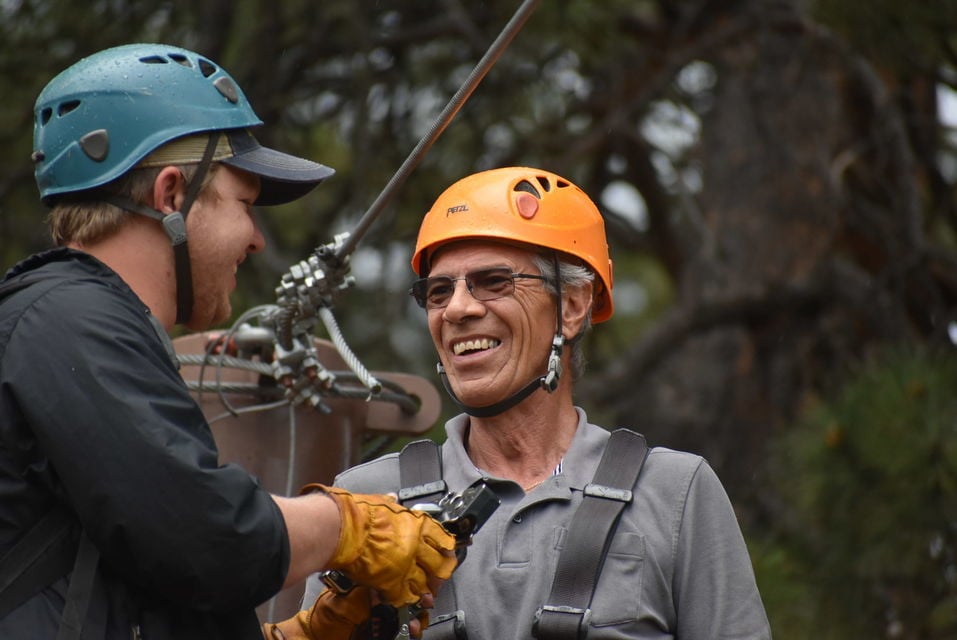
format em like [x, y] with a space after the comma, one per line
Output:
[677, 566]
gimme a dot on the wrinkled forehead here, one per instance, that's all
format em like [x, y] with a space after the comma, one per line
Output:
[480, 253]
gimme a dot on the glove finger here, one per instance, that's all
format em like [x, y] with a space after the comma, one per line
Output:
[404, 592]
[353, 607]
[436, 562]
[419, 624]
[436, 535]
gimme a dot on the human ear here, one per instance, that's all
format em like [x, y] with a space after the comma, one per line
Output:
[576, 305]
[169, 190]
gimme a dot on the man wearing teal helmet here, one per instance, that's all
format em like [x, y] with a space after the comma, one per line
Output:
[117, 520]
[149, 106]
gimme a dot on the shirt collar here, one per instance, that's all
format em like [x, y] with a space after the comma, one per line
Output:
[579, 464]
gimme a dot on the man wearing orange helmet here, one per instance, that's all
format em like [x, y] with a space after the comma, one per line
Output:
[596, 535]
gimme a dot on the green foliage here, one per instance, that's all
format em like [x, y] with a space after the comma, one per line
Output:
[868, 540]
[900, 35]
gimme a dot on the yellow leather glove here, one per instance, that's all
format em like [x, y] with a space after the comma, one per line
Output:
[332, 617]
[387, 547]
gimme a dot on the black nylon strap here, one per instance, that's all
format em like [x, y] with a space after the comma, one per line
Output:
[46, 553]
[42, 555]
[184, 280]
[197, 182]
[494, 409]
[80, 591]
[420, 473]
[176, 226]
[566, 613]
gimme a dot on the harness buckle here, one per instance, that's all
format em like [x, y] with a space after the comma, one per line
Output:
[562, 618]
[609, 493]
[419, 490]
[458, 632]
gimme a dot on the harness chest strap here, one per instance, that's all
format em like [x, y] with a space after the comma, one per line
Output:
[420, 477]
[420, 473]
[566, 613]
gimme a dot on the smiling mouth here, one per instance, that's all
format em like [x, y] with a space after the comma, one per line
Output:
[473, 346]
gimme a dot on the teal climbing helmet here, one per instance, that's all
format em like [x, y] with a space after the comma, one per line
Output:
[102, 116]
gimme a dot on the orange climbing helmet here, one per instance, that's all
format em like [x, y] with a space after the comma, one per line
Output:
[529, 206]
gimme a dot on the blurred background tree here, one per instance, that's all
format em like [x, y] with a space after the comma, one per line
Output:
[777, 178]
[868, 488]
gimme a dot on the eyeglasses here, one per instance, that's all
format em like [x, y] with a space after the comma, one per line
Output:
[484, 285]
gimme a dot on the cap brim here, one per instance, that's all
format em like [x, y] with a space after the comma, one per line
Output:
[284, 177]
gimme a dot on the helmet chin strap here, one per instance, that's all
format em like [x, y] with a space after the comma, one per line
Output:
[174, 224]
[548, 381]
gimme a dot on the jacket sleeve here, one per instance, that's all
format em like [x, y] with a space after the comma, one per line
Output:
[716, 595]
[135, 456]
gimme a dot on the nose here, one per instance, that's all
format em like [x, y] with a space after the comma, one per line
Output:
[258, 241]
[462, 304]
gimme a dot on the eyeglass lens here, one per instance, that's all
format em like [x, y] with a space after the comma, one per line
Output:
[488, 284]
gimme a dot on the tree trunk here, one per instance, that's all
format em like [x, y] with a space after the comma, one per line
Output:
[807, 253]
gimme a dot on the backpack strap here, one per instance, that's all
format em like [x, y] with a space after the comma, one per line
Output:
[39, 557]
[80, 591]
[46, 552]
[565, 615]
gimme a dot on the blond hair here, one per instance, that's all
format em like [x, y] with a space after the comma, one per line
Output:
[84, 218]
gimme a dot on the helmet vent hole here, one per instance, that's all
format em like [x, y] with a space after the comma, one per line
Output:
[562, 184]
[45, 114]
[206, 67]
[66, 107]
[153, 60]
[179, 58]
[546, 185]
[528, 187]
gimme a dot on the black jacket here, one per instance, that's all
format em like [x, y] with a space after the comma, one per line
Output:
[95, 416]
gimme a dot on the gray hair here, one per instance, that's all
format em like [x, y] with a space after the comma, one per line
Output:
[572, 276]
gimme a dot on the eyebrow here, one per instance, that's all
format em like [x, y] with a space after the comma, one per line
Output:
[476, 270]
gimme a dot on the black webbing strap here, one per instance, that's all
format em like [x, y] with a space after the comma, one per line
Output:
[45, 552]
[420, 473]
[174, 224]
[565, 615]
[42, 555]
[80, 591]
[175, 227]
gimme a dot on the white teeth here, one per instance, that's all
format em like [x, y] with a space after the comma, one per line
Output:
[475, 345]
